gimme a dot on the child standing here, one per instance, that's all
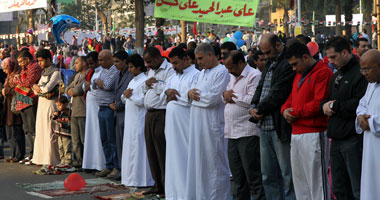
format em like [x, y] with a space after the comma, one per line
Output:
[61, 127]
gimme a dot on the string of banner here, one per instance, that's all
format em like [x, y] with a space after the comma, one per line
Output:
[76, 30]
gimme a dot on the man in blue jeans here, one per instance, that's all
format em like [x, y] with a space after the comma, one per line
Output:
[271, 93]
[105, 97]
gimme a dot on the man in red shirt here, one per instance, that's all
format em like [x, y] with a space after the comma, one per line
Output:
[25, 97]
[309, 144]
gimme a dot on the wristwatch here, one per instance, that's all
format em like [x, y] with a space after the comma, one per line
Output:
[331, 105]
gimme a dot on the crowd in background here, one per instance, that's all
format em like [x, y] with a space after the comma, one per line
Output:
[282, 117]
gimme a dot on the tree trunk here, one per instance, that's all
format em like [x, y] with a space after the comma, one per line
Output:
[367, 10]
[139, 20]
[52, 8]
[102, 17]
[30, 21]
[338, 18]
[18, 30]
[348, 16]
[183, 31]
[285, 21]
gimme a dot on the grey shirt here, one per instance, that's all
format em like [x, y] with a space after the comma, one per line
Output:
[106, 96]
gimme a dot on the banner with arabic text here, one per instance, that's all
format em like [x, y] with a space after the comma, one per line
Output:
[16, 5]
[229, 12]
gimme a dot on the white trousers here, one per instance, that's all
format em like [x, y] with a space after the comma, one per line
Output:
[309, 159]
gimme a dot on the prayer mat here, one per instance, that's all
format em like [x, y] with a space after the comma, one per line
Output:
[129, 196]
[56, 188]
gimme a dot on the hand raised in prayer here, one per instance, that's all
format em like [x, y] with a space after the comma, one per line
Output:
[150, 82]
[193, 94]
[363, 122]
[289, 117]
[36, 88]
[227, 95]
[327, 110]
[100, 84]
[171, 95]
[87, 86]
[70, 93]
[3, 92]
[254, 114]
[128, 93]
[113, 106]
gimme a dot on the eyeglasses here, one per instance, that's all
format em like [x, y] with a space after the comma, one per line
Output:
[338, 79]
[365, 69]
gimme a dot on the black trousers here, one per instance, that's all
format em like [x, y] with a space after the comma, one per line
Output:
[28, 116]
[244, 161]
[346, 167]
[16, 140]
[156, 146]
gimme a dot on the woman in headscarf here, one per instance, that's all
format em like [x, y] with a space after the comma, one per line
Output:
[12, 121]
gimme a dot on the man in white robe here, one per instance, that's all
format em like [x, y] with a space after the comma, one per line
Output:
[177, 127]
[93, 155]
[207, 170]
[368, 121]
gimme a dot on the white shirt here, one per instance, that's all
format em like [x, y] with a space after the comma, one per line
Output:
[152, 95]
[182, 83]
[236, 114]
[370, 178]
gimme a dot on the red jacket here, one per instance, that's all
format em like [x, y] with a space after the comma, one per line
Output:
[305, 100]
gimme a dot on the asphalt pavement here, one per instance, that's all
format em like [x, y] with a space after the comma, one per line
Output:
[12, 173]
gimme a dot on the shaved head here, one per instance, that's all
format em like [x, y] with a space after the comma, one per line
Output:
[370, 65]
[266, 37]
[105, 59]
[271, 46]
[106, 53]
[371, 56]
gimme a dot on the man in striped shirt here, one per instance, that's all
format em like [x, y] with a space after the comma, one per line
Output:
[242, 135]
[105, 97]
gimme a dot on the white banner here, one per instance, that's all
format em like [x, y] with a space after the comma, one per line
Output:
[16, 5]
[6, 17]
[151, 31]
[356, 18]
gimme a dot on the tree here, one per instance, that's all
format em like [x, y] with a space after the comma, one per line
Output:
[367, 10]
[183, 31]
[338, 31]
[30, 22]
[139, 10]
[18, 30]
[102, 17]
[348, 6]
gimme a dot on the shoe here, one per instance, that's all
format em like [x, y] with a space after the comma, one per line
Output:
[114, 174]
[8, 159]
[14, 160]
[154, 190]
[29, 162]
[103, 173]
[25, 159]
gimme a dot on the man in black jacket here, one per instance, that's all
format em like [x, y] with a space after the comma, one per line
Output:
[347, 87]
[273, 90]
